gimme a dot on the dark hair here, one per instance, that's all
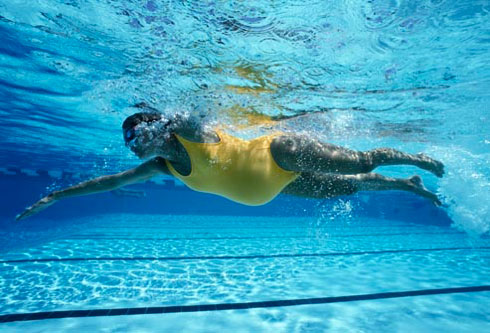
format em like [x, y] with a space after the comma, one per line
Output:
[140, 117]
[135, 119]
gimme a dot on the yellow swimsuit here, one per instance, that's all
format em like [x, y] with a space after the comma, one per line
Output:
[240, 170]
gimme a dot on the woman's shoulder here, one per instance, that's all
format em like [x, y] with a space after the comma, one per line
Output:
[192, 129]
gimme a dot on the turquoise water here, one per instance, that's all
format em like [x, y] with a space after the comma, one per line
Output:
[189, 260]
[411, 75]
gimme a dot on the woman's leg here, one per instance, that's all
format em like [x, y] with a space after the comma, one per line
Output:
[302, 154]
[317, 185]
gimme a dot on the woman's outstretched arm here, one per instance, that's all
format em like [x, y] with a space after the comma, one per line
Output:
[141, 173]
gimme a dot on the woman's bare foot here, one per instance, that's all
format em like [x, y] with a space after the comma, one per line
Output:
[417, 186]
[430, 164]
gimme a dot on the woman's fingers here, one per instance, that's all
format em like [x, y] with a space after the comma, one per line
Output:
[36, 208]
[22, 215]
[28, 212]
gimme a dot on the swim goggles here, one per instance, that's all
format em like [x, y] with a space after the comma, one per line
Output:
[130, 134]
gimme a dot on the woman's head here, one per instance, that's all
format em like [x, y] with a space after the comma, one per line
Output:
[147, 133]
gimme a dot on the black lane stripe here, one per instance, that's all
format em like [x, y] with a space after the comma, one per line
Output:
[118, 227]
[233, 306]
[249, 225]
[95, 237]
[283, 255]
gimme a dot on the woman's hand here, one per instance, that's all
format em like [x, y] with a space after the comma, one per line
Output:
[37, 207]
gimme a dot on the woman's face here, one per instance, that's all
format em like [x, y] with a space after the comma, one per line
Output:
[148, 139]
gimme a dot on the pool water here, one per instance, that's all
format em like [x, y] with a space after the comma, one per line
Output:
[131, 261]
[411, 75]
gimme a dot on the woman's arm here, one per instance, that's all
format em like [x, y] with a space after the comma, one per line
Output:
[141, 173]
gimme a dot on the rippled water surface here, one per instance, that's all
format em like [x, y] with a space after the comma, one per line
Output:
[413, 71]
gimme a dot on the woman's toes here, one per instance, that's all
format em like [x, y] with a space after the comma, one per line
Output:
[440, 169]
[432, 165]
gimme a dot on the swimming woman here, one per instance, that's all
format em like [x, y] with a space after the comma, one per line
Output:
[251, 172]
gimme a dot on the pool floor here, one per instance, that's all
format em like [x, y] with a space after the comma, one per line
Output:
[243, 271]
